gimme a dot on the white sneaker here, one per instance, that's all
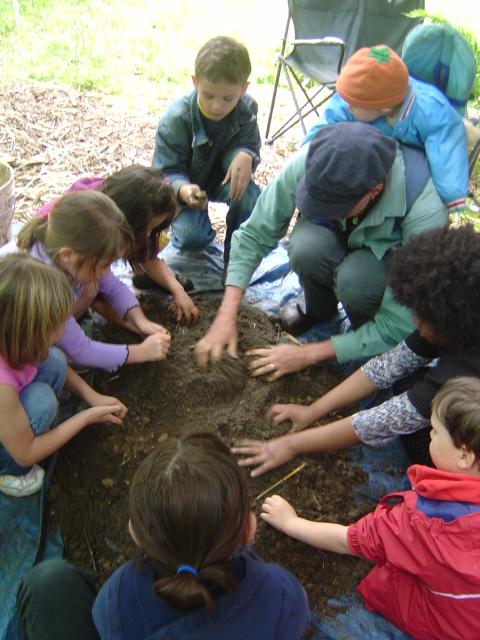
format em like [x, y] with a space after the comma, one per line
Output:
[25, 485]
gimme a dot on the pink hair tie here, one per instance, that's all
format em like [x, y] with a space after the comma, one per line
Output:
[45, 215]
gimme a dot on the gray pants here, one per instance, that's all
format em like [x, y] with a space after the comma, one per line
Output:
[329, 273]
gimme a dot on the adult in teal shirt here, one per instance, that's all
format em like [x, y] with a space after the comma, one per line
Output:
[349, 185]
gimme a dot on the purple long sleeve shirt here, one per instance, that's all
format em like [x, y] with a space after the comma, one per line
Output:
[78, 346]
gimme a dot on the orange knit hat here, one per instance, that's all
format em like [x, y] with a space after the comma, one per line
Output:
[374, 78]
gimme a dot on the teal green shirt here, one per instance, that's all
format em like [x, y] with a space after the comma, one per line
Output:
[379, 231]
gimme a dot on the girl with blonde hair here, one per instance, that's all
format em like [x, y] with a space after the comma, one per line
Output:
[35, 302]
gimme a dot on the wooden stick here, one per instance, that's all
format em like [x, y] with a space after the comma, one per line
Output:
[289, 475]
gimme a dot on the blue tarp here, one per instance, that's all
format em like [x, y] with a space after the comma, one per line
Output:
[273, 286]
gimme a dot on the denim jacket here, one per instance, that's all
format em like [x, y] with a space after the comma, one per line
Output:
[182, 147]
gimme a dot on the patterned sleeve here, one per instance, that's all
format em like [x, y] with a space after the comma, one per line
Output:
[385, 369]
[379, 425]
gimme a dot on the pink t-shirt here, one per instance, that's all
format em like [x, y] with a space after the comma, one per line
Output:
[17, 378]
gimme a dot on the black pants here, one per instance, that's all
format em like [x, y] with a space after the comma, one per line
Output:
[416, 444]
[54, 602]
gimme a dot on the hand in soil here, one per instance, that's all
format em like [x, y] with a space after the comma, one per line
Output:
[278, 513]
[117, 408]
[185, 307]
[300, 416]
[156, 346]
[148, 328]
[222, 334]
[264, 455]
[277, 361]
[107, 415]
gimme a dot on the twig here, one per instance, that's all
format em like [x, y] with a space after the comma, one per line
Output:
[292, 339]
[289, 475]
[90, 550]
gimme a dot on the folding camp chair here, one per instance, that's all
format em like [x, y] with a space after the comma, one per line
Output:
[327, 32]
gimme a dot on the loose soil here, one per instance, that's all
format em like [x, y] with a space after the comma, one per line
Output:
[89, 496]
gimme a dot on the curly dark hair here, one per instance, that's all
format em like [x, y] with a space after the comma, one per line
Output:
[437, 275]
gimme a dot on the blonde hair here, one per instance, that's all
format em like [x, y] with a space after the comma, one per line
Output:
[88, 222]
[35, 299]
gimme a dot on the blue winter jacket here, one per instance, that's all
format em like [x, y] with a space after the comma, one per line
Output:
[426, 119]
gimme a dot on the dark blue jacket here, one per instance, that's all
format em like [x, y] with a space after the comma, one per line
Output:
[269, 604]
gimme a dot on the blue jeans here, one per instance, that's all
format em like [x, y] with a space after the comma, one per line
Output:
[39, 399]
[54, 602]
[329, 272]
[192, 229]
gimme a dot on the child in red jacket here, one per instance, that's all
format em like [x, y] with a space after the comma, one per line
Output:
[426, 547]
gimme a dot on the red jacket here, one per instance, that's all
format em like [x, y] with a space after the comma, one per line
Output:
[427, 555]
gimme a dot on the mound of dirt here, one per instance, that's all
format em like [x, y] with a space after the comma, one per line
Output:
[89, 496]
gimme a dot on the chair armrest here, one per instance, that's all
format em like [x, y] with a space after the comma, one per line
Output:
[327, 41]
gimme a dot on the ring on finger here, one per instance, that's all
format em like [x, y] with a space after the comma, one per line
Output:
[272, 367]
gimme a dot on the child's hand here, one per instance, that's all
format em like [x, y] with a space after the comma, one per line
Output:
[110, 414]
[148, 328]
[185, 307]
[155, 347]
[278, 512]
[193, 196]
[239, 174]
[265, 455]
[100, 400]
[301, 417]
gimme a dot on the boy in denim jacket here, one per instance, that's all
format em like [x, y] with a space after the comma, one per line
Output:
[208, 145]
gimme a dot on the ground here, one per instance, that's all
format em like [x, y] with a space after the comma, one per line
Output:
[89, 496]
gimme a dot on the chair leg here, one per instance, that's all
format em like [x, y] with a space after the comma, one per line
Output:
[274, 96]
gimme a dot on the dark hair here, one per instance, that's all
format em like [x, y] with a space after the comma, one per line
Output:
[142, 194]
[223, 59]
[437, 275]
[189, 505]
[457, 407]
[87, 222]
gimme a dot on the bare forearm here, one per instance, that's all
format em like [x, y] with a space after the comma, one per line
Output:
[77, 385]
[44, 445]
[323, 535]
[158, 271]
[329, 437]
[354, 388]
[232, 298]
[316, 352]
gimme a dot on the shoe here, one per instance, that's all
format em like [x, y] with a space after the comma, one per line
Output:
[25, 485]
[144, 281]
[294, 321]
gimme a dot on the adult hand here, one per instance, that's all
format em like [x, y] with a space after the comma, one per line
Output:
[264, 455]
[278, 361]
[223, 333]
[300, 416]
[278, 512]
[239, 174]
[185, 307]
[193, 196]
